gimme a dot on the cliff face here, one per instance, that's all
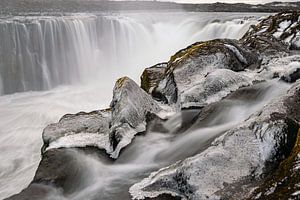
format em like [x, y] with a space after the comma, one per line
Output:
[241, 163]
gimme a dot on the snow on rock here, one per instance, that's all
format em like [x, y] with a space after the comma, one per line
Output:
[277, 33]
[188, 68]
[233, 159]
[214, 87]
[130, 106]
[101, 141]
[292, 74]
[82, 129]
[279, 67]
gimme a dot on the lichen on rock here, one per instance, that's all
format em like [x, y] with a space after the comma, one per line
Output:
[189, 68]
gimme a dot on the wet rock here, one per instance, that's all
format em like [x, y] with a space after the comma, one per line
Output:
[284, 182]
[130, 106]
[59, 173]
[188, 69]
[280, 67]
[237, 158]
[292, 74]
[152, 76]
[214, 87]
[79, 130]
[277, 33]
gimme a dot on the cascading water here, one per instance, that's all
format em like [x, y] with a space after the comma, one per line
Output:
[42, 52]
[98, 179]
[39, 53]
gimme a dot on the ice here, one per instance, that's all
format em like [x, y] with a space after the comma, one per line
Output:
[237, 53]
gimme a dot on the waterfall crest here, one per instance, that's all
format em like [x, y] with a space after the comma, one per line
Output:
[40, 53]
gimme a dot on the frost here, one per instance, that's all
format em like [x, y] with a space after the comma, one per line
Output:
[277, 34]
[100, 141]
[240, 152]
[214, 87]
[284, 25]
[130, 106]
[296, 41]
[237, 53]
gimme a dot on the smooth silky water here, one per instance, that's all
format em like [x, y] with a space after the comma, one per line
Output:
[66, 64]
[99, 179]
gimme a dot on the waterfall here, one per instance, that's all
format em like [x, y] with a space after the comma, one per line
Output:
[42, 52]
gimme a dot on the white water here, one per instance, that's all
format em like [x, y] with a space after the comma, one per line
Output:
[89, 52]
[38, 53]
[155, 150]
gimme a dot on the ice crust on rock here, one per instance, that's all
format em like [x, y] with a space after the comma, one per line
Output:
[239, 153]
[130, 106]
[82, 129]
[189, 68]
[213, 87]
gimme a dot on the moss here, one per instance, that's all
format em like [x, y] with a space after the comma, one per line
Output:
[145, 81]
[152, 76]
[120, 82]
[283, 181]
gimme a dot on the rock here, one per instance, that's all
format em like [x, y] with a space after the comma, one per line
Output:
[235, 159]
[188, 69]
[284, 182]
[277, 33]
[79, 130]
[279, 67]
[214, 87]
[293, 73]
[130, 106]
[59, 173]
[152, 76]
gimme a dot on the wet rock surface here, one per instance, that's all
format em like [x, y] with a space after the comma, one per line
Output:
[269, 135]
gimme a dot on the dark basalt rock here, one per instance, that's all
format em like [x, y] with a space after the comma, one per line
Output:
[278, 33]
[269, 135]
[58, 174]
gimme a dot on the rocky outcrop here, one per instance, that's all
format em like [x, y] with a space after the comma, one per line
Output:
[190, 68]
[79, 130]
[239, 164]
[152, 76]
[292, 74]
[58, 173]
[278, 33]
[130, 106]
[284, 182]
[227, 164]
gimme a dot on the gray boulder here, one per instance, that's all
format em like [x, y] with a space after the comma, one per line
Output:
[130, 106]
[79, 130]
[188, 69]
